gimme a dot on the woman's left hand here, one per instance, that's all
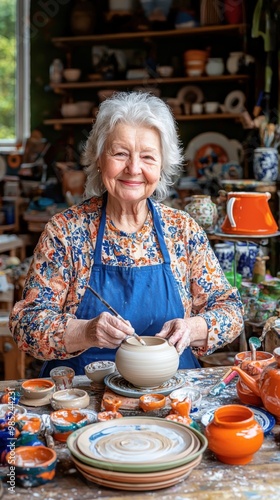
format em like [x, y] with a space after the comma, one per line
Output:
[177, 332]
[183, 333]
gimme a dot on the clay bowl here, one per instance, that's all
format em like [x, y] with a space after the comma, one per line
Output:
[34, 465]
[97, 370]
[37, 388]
[111, 403]
[102, 416]
[66, 421]
[72, 74]
[147, 366]
[70, 399]
[151, 402]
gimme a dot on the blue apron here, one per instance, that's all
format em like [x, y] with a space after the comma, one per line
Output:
[147, 296]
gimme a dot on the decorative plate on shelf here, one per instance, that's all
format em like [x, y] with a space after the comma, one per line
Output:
[121, 386]
[215, 147]
[263, 417]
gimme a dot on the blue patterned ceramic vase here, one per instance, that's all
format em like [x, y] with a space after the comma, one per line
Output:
[225, 255]
[265, 164]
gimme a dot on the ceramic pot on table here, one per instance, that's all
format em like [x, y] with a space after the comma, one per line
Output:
[254, 369]
[234, 435]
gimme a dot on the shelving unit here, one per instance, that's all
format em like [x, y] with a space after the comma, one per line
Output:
[68, 44]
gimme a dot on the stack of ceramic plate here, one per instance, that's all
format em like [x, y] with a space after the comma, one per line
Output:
[136, 453]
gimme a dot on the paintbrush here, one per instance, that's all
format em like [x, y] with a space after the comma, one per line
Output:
[225, 380]
[115, 313]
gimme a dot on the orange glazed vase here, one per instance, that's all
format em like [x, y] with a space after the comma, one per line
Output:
[234, 435]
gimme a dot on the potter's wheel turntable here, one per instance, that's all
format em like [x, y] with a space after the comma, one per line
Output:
[119, 385]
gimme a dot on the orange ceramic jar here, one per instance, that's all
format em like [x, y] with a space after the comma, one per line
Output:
[234, 435]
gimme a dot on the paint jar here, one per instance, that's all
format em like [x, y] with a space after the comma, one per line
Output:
[62, 377]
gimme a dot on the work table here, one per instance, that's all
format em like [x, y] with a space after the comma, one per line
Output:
[260, 479]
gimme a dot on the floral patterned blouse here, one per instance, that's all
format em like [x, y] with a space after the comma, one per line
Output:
[62, 262]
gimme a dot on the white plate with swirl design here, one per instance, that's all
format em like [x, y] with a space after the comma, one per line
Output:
[121, 386]
[136, 444]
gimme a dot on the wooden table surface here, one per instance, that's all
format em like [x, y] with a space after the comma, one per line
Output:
[258, 480]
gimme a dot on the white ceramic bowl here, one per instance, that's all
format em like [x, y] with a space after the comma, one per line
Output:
[69, 110]
[165, 71]
[211, 107]
[72, 74]
[70, 399]
[84, 107]
[97, 370]
[12, 410]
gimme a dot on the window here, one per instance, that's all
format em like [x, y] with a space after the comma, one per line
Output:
[14, 73]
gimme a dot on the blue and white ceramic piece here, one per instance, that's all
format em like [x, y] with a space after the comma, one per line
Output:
[265, 164]
[246, 254]
[225, 255]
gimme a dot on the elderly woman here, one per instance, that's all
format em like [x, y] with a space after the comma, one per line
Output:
[152, 263]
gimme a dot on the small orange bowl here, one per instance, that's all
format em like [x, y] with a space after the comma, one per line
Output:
[37, 388]
[150, 402]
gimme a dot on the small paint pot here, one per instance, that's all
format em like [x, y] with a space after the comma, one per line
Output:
[187, 393]
[111, 404]
[9, 410]
[34, 465]
[66, 421]
[102, 416]
[151, 402]
[37, 388]
[70, 399]
[97, 370]
[30, 423]
[62, 376]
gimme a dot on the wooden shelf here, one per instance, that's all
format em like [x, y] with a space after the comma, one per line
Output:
[149, 81]
[60, 122]
[229, 29]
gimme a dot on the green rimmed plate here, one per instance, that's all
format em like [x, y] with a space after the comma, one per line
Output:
[168, 458]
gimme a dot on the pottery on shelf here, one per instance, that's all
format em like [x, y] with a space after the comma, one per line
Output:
[249, 214]
[234, 435]
[147, 366]
[265, 164]
[202, 209]
[267, 387]
[225, 255]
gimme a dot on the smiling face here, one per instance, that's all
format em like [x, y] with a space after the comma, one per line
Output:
[131, 163]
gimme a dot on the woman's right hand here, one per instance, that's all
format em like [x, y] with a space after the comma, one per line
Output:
[107, 331]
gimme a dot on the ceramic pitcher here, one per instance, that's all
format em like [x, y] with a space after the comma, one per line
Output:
[249, 214]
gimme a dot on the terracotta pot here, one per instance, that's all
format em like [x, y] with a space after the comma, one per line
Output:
[147, 366]
[249, 213]
[267, 387]
[234, 435]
